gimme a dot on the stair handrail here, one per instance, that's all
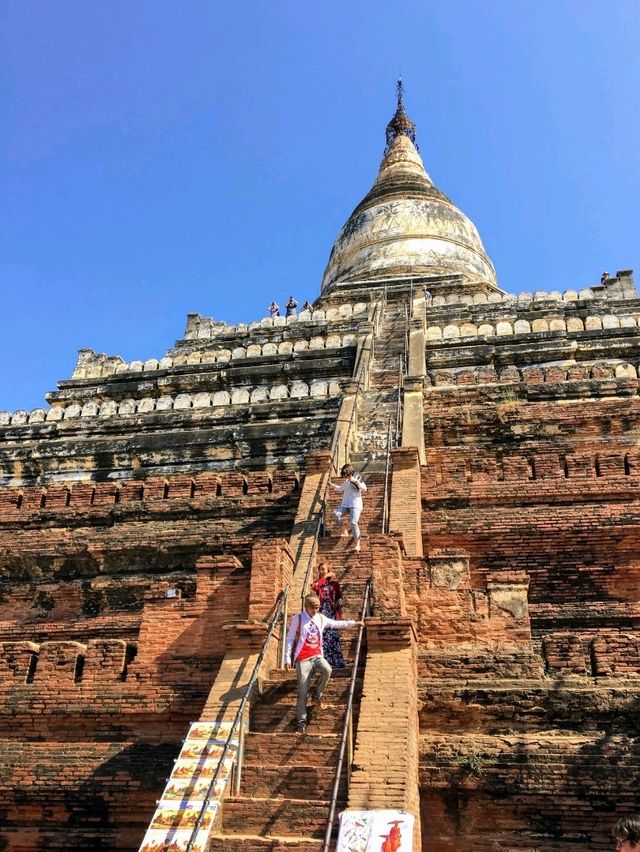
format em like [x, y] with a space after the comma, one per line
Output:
[407, 314]
[401, 375]
[279, 609]
[314, 548]
[347, 729]
[321, 522]
[387, 465]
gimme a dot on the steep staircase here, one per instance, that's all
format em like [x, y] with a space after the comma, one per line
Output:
[287, 777]
[378, 404]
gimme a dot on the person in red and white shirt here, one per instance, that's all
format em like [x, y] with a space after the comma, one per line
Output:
[305, 632]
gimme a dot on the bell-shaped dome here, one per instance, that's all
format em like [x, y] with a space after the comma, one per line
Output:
[405, 227]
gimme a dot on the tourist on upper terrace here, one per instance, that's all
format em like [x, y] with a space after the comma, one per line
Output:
[291, 306]
[274, 310]
[304, 647]
[307, 306]
[626, 833]
[352, 489]
[327, 588]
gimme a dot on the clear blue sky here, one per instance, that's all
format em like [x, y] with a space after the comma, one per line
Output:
[159, 158]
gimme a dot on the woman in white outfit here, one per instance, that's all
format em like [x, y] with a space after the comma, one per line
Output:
[352, 490]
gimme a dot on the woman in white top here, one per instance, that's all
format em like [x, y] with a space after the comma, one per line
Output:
[352, 489]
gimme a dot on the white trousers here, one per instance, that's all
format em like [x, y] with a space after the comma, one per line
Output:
[354, 517]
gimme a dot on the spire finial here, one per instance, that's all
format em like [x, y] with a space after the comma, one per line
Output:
[400, 124]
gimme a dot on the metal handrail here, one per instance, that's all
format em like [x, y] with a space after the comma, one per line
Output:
[347, 729]
[280, 607]
[385, 504]
[314, 548]
[406, 337]
[399, 401]
[321, 522]
[403, 367]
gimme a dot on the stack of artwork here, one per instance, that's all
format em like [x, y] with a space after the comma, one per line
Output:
[375, 831]
[184, 796]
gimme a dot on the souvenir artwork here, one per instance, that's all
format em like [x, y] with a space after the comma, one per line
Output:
[355, 829]
[175, 841]
[183, 818]
[184, 796]
[190, 789]
[197, 769]
[217, 731]
[375, 831]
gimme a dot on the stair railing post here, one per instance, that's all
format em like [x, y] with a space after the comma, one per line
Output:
[346, 731]
[399, 403]
[385, 499]
[349, 751]
[283, 637]
[239, 759]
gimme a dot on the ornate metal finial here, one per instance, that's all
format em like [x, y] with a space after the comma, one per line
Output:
[400, 124]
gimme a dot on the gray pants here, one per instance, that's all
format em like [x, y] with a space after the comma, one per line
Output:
[304, 671]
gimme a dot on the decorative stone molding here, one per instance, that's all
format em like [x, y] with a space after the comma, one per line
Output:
[92, 365]
[319, 388]
[206, 328]
[550, 374]
[503, 327]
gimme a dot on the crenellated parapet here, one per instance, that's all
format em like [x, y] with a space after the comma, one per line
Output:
[130, 407]
[569, 380]
[93, 365]
[611, 305]
[206, 328]
[513, 326]
[84, 495]
[615, 288]
[62, 662]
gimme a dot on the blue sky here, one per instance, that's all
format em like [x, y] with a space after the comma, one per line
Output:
[159, 158]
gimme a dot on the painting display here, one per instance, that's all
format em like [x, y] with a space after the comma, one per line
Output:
[183, 800]
[375, 831]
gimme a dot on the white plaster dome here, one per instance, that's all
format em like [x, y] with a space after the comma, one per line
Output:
[405, 226]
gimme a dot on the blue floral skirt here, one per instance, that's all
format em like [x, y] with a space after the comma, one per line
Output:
[331, 644]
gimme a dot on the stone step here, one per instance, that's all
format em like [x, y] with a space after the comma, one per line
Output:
[279, 749]
[289, 782]
[281, 717]
[282, 682]
[255, 843]
[281, 817]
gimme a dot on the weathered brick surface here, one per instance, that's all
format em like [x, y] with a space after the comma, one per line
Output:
[500, 696]
[527, 608]
[405, 505]
[94, 655]
[385, 761]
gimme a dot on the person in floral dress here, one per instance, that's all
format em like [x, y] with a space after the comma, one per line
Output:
[327, 588]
